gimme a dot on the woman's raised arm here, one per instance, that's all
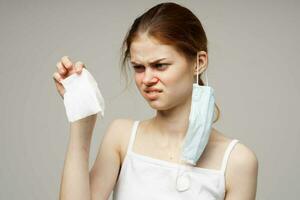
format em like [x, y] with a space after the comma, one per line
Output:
[76, 181]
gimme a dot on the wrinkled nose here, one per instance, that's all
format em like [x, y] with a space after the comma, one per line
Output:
[149, 78]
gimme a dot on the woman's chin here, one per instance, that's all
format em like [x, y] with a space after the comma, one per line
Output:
[157, 105]
[154, 104]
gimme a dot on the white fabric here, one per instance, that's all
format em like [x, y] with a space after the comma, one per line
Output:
[147, 178]
[82, 96]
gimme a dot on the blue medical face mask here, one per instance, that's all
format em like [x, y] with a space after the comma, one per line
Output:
[200, 121]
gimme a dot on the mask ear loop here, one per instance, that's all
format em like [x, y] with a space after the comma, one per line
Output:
[206, 78]
[197, 71]
[197, 76]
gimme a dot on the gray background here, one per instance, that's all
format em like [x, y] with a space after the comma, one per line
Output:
[254, 68]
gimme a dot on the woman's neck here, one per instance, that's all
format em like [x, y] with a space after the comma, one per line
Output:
[172, 123]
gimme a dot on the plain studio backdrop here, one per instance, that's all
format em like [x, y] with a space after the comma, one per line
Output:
[254, 68]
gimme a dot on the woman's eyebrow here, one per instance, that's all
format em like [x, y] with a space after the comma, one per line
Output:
[133, 62]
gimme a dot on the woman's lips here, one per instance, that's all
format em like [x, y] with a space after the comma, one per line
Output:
[152, 94]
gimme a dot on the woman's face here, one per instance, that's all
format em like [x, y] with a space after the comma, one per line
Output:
[160, 67]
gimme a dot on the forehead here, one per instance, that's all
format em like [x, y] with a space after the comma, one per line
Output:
[146, 49]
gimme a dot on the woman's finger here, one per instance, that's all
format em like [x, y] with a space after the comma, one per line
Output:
[61, 69]
[79, 66]
[57, 77]
[67, 62]
[60, 88]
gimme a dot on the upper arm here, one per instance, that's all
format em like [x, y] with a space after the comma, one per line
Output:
[242, 171]
[104, 173]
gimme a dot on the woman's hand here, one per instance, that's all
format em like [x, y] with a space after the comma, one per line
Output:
[65, 68]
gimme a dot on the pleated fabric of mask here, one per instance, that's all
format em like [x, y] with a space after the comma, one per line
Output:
[200, 121]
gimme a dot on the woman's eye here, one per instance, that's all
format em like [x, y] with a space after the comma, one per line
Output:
[140, 68]
[160, 65]
[137, 67]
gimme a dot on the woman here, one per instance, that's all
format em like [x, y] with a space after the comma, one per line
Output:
[167, 48]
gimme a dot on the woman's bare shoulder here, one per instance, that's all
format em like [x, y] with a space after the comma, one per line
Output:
[239, 152]
[122, 127]
[242, 162]
[121, 123]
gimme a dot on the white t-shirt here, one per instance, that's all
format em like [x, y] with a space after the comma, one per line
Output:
[146, 178]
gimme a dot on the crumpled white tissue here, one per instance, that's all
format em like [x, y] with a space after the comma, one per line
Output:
[82, 96]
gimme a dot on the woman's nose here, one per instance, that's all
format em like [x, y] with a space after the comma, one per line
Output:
[149, 77]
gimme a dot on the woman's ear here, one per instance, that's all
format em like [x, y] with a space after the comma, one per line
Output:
[201, 62]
